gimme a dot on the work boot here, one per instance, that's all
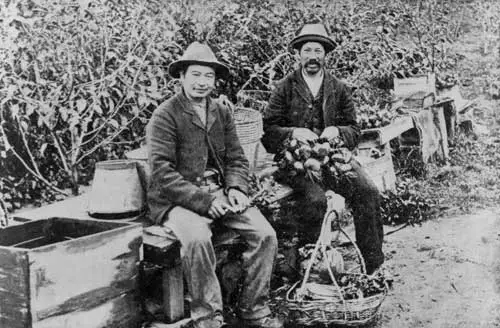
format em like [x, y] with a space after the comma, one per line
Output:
[264, 322]
[214, 321]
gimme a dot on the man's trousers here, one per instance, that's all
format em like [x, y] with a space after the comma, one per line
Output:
[198, 258]
[363, 197]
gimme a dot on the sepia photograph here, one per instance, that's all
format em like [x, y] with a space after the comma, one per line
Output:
[249, 163]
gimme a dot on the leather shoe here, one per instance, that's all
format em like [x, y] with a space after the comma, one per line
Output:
[264, 322]
[214, 321]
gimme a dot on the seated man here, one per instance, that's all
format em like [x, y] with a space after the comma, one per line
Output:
[188, 134]
[311, 103]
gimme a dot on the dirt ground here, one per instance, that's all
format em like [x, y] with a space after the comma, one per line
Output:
[446, 273]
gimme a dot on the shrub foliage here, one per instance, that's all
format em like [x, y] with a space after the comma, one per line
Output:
[79, 79]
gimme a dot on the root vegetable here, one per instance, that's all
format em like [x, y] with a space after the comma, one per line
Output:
[312, 164]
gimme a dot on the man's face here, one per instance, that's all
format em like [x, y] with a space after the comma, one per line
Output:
[198, 81]
[312, 57]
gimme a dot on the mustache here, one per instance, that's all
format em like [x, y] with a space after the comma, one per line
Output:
[313, 62]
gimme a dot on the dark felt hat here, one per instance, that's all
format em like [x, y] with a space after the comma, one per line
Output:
[198, 54]
[312, 33]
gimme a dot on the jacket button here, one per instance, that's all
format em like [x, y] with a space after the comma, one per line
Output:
[310, 106]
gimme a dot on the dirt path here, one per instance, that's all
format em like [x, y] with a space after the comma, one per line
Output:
[447, 273]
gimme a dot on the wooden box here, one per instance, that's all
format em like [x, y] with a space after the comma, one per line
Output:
[69, 273]
[381, 169]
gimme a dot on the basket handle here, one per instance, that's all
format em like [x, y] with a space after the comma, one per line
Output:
[330, 215]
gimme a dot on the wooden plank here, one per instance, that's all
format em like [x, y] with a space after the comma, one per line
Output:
[83, 272]
[179, 324]
[121, 311]
[14, 289]
[19, 233]
[173, 293]
[71, 207]
[398, 126]
[440, 121]
[371, 138]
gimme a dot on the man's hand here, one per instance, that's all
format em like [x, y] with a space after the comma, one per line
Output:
[238, 200]
[218, 208]
[330, 132]
[304, 135]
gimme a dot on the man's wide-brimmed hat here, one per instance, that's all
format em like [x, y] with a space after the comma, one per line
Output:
[312, 33]
[198, 54]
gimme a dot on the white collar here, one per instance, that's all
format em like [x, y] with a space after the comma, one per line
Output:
[314, 82]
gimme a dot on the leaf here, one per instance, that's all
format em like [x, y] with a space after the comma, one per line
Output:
[81, 104]
[43, 148]
[114, 124]
[24, 125]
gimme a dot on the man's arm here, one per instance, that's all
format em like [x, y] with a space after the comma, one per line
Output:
[166, 184]
[346, 119]
[277, 124]
[235, 164]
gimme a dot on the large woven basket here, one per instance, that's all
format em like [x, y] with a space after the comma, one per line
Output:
[332, 308]
[249, 128]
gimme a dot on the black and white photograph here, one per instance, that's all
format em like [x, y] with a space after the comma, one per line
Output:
[249, 163]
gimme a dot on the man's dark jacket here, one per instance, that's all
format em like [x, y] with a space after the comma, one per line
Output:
[292, 99]
[179, 147]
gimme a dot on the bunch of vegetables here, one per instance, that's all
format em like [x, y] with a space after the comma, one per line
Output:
[370, 117]
[262, 191]
[321, 160]
[355, 286]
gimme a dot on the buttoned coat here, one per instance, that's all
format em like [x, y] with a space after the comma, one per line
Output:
[290, 101]
[179, 146]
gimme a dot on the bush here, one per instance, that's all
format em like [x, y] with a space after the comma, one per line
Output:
[79, 79]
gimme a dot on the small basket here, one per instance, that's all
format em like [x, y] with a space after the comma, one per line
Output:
[332, 308]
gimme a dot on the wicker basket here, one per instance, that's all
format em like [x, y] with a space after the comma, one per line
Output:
[249, 128]
[331, 308]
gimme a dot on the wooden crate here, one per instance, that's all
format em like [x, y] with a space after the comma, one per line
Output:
[381, 169]
[69, 273]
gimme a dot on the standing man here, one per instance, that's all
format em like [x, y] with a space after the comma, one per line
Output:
[311, 103]
[187, 135]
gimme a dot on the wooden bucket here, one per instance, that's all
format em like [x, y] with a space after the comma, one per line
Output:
[116, 191]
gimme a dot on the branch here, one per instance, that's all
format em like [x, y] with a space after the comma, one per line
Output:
[25, 142]
[107, 140]
[36, 175]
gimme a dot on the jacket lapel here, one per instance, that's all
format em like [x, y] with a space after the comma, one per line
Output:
[211, 114]
[188, 108]
[300, 86]
[328, 94]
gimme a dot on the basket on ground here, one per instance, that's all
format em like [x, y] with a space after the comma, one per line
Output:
[312, 303]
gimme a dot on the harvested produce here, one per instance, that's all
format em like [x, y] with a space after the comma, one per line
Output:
[321, 160]
[355, 286]
[370, 117]
[352, 286]
[262, 191]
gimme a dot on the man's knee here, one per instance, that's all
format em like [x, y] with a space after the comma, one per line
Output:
[189, 227]
[263, 230]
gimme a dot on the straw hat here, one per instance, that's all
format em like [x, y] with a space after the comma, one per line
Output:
[312, 33]
[198, 54]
